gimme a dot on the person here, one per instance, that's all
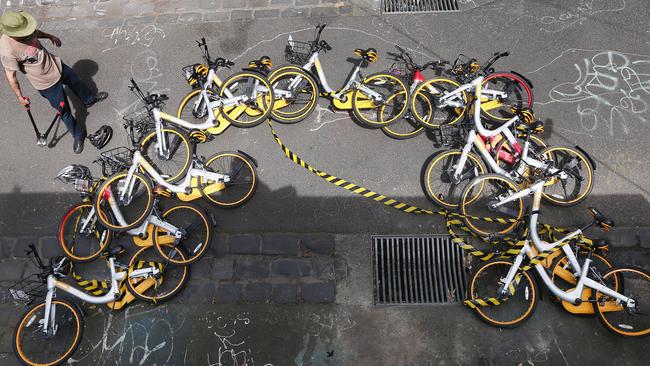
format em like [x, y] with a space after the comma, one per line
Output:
[21, 50]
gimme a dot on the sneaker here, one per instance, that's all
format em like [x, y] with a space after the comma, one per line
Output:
[78, 146]
[98, 98]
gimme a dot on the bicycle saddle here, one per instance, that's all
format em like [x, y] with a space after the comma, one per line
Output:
[525, 114]
[113, 252]
[369, 55]
[536, 127]
[602, 221]
[600, 245]
[263, 63]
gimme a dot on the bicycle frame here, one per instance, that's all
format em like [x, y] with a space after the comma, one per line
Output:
[53, 284]
[182, 187]
[574, 295]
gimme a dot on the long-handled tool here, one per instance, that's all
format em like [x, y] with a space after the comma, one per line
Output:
[41, 138]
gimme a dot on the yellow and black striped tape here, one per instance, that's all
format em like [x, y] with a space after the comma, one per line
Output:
[453, 219]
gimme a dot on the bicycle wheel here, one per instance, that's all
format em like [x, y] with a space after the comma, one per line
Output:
[174, 163]
[487, 281]
[172, 278]
[374, 113]
[32, 347]
[518, 95]
[425, 103]
[579, 179]
[193, 108]
[438, 179]
[296, 94]
[134, 208]
[617, 316]
[197, 234]
[242, 183]
[405, 128]
[80, 238]
[478, 201]
[248, 99]
[562, 276]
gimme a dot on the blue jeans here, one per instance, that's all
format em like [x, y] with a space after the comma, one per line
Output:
[56, 94]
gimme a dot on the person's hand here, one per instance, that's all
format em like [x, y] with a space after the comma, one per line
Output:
[55, 40]
[24, 101]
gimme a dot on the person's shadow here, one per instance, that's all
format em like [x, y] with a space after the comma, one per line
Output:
[85, 69]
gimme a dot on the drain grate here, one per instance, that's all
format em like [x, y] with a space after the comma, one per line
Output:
[417, 269]
[418, 6]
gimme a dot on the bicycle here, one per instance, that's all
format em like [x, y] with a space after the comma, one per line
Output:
[620, 297]
[502, 92]
[49, 332]
[376, 101]
[408, 127]
[80, 237]
[208, 88]
[448, 172]
[227, 179]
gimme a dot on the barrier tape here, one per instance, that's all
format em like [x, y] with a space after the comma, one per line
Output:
[453, 219]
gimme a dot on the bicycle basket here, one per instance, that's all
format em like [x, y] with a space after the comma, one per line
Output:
[138, 123]
[297, 52]
[28, 289]
[82, 185]
[451, 134]
[400, 70]
[115, 160]
[195, 73]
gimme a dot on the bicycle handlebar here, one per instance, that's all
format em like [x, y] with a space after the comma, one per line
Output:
[32, 251]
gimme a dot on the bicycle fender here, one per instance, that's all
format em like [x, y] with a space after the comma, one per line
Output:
[523, 78]
[249, 157]
[593, 163]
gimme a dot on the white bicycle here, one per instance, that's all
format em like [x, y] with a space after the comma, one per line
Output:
[504, 294]
[49, 332]
[448, 172]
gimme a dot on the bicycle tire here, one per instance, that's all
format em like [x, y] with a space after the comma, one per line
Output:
[145, 189]
[634, 283]
[361, 103]
[171, 170]
[522, 304]
[102, 235]
[311, 86]
[29, 319]
[583, 164]
[430, 177]
[488, 188]
[243, 175]
[192, 116]
[259, 110]
[403, 129]
[197, 229]
[523, 96]
[169, 272]
[428, 92]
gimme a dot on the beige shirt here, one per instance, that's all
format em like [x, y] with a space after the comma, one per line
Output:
[30, 57]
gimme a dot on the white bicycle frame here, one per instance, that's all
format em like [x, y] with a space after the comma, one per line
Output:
[49, 324]
[351, 82]
[580, 272]
[474, 140]
[182, 187]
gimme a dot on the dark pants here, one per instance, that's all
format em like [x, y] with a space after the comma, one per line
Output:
[55, 95]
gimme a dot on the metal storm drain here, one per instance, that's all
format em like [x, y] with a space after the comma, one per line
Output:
[418, 6]
[417, 269]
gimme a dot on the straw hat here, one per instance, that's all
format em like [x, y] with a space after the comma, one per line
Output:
[18, 24]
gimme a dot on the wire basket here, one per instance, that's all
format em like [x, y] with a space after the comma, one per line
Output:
[28, 289]
[400, 70]
[192, 74]
[451, 134]
[83, 185]
[115, 160]
[297, 52]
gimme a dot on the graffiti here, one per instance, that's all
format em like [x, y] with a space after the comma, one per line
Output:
[232, 349]
[577, 15]
[610, 90]
[141, 338]
[141, 36]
